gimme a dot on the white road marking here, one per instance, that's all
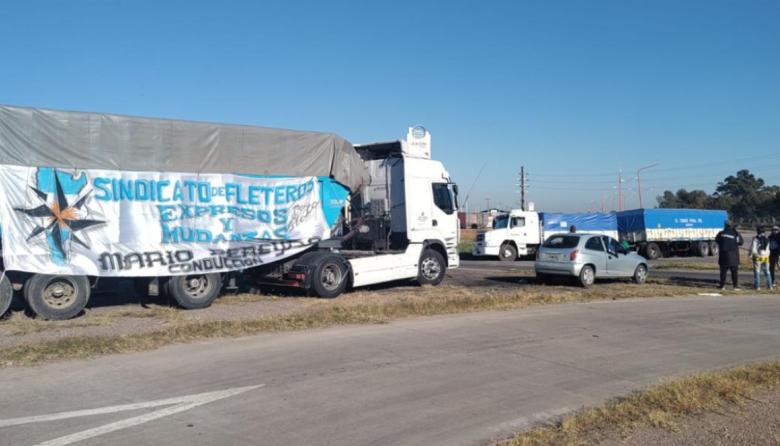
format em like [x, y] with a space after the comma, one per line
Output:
[178, 404]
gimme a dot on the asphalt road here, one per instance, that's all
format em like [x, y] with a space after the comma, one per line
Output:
[447, 380]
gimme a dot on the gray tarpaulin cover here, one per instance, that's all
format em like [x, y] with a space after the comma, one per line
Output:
[51, 138]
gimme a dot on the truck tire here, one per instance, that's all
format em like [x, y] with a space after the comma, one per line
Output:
[194, 291]
[507, 253]
[6, 294]
[431, 268]
[329, 276]
[587, 276]
[56, 297]
[714, 249]
[653, 251]
[702, 249]
[640, 274]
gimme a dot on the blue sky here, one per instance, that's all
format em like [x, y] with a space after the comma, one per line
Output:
[575, 91]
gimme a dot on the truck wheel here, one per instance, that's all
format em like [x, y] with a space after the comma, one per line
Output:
[329, 276]
[194, 291]
[508, 253]
[640, 274]
[653, 251]
[432, 268]
[6, 294]
[714, 249]
[702, 249]
[56, 297]
[587, 276]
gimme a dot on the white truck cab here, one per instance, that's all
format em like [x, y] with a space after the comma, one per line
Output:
[517, 233]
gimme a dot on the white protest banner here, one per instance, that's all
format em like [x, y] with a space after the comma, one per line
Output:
[120, 223]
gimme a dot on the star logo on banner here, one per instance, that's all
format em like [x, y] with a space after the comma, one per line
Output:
[60, 219]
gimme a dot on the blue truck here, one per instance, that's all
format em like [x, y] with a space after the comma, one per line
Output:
[659, 233]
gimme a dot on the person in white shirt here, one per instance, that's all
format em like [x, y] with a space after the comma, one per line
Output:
[759, 252]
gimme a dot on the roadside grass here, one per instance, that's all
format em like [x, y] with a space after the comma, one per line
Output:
[352, 308]
[467, 237]
[19, 324]
[661, 406]
[712, 264]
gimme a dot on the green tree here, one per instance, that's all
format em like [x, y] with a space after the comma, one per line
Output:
[746, 197]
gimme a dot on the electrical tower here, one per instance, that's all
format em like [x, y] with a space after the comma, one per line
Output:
[522, 184]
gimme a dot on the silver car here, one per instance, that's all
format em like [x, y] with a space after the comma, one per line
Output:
[588, 257]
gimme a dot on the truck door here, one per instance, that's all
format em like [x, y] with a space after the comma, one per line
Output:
[443, 215]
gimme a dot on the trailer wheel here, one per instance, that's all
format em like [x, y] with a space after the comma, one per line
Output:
[431, 268]
[56, 297]
[329, 277]
[6, 295]
[194, 291]
[508, 253]
[587, 276]
[702, 249]
[714, 249]
[653, 251]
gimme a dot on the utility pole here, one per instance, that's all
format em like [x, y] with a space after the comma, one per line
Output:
[639, 183]
[620, 190]
[523, 184]
[487, 200]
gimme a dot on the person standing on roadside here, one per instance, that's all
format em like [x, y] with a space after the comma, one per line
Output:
[774, 252]
[729, 241]
[759, 252]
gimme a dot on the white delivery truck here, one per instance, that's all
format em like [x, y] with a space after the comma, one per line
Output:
[519, 233]
[186, 208]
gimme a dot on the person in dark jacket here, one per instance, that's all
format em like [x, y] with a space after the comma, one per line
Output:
[774, 251]
[729, 241]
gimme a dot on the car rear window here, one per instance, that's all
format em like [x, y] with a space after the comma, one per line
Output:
[562, 241]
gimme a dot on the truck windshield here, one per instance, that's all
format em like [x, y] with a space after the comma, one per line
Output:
[500, 222]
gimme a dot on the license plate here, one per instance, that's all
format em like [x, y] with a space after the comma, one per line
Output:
[553, 256]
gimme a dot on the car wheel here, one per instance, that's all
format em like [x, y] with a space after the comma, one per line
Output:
[56, 297]
[194, 291]
[653, 251]
[587, 276]
[432, 268]
[640, 274]
[508, 253]
[6, 294]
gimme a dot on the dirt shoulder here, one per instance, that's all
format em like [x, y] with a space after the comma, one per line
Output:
[736, 406]
[753, 422]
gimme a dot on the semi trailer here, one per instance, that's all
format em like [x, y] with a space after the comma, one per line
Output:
[520, 233]
[658, 233]
[186, 208]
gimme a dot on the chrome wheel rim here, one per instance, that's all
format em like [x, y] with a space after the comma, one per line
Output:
[59, 293]
[588, 276]
[430, 268]
[641, 274]
[197, 286]
[331, 276]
